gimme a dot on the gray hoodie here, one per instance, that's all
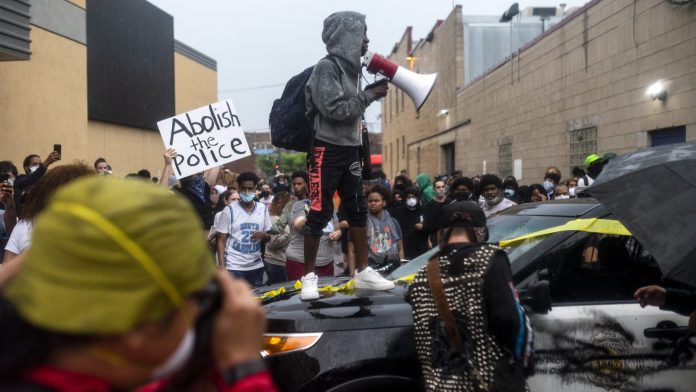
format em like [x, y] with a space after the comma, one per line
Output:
[335, 97]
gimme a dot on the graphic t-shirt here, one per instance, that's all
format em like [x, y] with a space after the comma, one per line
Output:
[242, 253]
[383, 234]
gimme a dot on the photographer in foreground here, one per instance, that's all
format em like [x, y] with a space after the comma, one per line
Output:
[107, 302]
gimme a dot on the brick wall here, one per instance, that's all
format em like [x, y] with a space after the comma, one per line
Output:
[592, 70]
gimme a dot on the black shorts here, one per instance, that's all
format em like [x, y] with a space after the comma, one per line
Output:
[334, 168]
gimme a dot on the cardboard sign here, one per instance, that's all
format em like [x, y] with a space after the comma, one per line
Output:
[204, 138]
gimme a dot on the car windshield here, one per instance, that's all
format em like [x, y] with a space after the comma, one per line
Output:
[501, 227]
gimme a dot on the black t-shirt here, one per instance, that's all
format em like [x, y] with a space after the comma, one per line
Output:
[415, 241]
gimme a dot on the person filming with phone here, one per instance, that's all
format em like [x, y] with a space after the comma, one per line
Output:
[105, 302]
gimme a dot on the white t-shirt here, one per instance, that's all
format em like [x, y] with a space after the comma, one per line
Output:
[20, 238]
[241, 252]
[492, 210]
[581, 181]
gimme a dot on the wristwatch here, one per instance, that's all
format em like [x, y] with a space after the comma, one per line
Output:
[244, 369]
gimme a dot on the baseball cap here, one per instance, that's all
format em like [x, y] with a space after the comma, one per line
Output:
[592, 158]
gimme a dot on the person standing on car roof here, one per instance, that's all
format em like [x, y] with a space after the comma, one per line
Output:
[337, 103]
[489, 333]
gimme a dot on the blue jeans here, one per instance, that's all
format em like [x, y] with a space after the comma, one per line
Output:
[253, 277]
[276, 273]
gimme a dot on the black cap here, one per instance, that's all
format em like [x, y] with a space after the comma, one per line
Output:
[462, 214]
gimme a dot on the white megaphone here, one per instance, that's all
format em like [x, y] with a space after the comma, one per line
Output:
[417, 86]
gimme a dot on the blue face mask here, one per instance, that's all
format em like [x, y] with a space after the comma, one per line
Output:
[247, 197]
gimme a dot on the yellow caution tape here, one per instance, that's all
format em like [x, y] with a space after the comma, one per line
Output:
[593, 225]
[347, 287]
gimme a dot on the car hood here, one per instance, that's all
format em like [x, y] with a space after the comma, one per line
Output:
[348, 309]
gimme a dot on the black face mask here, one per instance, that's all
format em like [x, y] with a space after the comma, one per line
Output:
[461, 196]
[264, 194]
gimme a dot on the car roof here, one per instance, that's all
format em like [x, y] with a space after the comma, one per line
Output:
[563, 208]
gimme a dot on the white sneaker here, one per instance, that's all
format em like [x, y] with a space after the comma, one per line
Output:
[371, 279]
[309, 290]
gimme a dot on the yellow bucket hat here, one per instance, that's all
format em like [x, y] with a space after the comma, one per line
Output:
[108, 255]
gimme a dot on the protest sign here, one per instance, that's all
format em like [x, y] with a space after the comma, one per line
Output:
[204, 138]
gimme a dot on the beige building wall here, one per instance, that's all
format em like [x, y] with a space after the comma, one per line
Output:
[593, 70]
[195, 84]
[43, 101]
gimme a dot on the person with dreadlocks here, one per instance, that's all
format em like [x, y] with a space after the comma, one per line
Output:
[469, 324]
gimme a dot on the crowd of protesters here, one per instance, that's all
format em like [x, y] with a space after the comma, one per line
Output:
[253, 227]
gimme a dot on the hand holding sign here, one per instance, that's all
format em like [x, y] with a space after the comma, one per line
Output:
[204, 138]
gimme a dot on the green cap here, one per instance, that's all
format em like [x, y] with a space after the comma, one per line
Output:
[108, 255]
[592, 158]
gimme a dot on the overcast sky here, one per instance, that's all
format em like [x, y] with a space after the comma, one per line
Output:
[263, 43]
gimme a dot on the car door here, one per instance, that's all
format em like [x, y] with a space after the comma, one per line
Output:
[596, 337]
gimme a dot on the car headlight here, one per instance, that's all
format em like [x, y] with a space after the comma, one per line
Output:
[283, 343]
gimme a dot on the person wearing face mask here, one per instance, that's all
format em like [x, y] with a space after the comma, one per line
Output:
[432, 210]
[243, 226]
[511, 189]
[552, 177]
[76, 319]
[34, 169]
[461, 189]
[561, 193]
[410, 218]
[265, 196]
[492, 192]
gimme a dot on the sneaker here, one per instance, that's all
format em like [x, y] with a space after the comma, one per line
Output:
[371, 279]
[309, 290]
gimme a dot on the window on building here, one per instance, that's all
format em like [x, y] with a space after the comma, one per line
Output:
[448, 158]
[505, 160]
[673, 135]
[583, 142]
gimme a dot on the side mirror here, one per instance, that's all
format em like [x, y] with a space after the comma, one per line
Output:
[537, 297]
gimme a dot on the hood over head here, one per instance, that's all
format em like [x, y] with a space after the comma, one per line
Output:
[343, 35]
[423, 180]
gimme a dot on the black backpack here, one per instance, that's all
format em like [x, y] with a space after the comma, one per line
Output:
[290, 127]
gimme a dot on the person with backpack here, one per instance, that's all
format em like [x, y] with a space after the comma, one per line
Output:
[336, 102]
[471, 332]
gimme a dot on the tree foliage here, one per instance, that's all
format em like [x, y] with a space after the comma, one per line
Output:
[288, 162]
